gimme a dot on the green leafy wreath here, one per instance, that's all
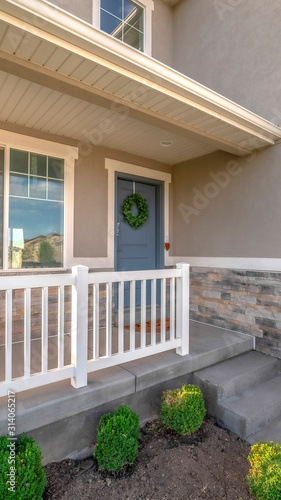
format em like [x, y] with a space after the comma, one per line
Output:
[135, 221]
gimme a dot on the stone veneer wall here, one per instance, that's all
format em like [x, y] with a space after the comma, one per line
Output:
[244, 301]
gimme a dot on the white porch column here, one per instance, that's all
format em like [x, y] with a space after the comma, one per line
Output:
[79, 326]
[183, 308]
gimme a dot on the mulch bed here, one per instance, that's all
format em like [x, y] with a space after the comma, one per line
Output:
[209, 465]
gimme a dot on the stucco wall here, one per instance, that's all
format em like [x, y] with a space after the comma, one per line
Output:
[162, 33]
[226, 206]
[82, 9]
[232, 47]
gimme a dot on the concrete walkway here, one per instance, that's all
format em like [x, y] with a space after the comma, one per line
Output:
[63, 420]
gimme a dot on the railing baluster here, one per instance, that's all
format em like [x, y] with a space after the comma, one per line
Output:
[27, 333]
[121, 317]
[178, 309]
[132, 314]
[172, 308]
[44, 353]
[79, 325]
[108, 319]
[96, 320]
[163, 309]
[183, 308]
[8, 335]
[61, 327]
[143, 313]
[153, 311]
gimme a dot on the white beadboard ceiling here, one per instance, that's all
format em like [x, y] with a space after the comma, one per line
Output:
[63, 77]
[40, 108]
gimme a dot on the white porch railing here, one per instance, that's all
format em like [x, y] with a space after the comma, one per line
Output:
[105, 345]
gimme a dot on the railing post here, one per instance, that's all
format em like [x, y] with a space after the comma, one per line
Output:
[183, 308]
[79, 329]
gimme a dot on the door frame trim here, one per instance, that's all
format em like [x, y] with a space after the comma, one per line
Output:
[115, 166]
[159, 214]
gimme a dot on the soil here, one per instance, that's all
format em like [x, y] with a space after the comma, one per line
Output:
[209, 465]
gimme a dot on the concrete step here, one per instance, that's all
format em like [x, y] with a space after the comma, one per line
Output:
[249, 411]
[271, 432]
[225, 379]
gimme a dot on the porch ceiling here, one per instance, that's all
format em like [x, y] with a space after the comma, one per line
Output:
[62, 76]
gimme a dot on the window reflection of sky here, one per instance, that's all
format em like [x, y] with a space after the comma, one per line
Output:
[18, 185]
[36, 217]
[55, 190]
[113, 12]
[119, 8]
[37, 187]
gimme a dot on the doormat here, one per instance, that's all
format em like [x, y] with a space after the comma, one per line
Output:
[148, 326]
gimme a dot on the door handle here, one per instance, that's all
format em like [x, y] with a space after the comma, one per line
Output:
[117, 228]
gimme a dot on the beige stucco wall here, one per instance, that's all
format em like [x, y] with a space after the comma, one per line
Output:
[82, 9]
[232, 47]
[162, 32]
[226, 206]
[90, 200]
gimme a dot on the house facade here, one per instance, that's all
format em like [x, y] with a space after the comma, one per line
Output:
[100, 100]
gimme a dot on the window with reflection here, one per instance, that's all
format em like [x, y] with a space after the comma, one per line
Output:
[1, 204]
[124, 20]
[36, 210]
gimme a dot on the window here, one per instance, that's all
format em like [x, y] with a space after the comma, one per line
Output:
[36, 210]
[36, 203]
[124, 20]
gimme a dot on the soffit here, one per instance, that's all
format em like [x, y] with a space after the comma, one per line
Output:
[36, 107]
[95, 74]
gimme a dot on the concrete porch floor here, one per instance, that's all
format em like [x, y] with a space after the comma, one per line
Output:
[63, 420]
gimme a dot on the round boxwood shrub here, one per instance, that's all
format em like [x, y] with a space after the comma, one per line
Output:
[265, 474]
[117, 439]
[183, 410]
[22, 475]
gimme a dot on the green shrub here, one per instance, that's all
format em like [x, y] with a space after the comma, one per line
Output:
[183, 409]
[117, 439]
[30, 478]
[265, 474]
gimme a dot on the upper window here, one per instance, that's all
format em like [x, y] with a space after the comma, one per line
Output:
[124, 20]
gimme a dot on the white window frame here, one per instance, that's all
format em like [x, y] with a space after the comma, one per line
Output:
[148, 6]
[11, 140]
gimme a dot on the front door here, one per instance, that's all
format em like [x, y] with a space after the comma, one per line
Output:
[136, 248]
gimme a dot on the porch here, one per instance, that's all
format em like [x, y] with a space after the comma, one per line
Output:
[64, 420]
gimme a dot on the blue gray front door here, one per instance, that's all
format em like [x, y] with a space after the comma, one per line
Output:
[136, 248]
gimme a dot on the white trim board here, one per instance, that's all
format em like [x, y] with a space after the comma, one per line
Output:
[10, 140]
[247, 264]
[127, 168]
